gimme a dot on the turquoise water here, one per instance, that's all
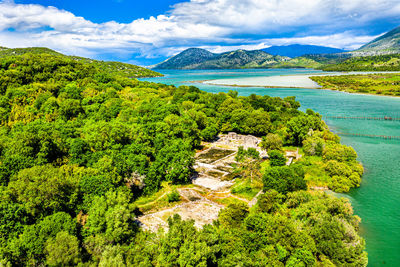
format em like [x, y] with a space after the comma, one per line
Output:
[377, 201]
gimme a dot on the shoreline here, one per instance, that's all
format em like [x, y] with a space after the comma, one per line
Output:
[283, 78]
[247, 86]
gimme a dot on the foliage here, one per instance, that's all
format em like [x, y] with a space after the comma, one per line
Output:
[233, 215]
[250, 152]
[173, 196]
[379, 84]
[272, 142]
[389, 62]
[80, 142]
[276, 158]
[63, 250]
[300, 127]
[289, 234]
[330, 164]
[119, 68]
[284, 179]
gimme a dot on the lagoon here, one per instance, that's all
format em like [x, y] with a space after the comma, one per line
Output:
[377, 200]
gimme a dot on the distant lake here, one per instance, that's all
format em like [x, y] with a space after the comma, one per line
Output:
[377, 201]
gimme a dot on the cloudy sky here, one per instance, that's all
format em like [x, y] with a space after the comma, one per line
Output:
[147, 31]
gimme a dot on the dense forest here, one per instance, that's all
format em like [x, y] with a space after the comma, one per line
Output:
[113, 67]
[79, 144]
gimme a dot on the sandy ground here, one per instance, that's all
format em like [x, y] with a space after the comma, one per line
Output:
[283, 81]
[290, 81]
[212, 183]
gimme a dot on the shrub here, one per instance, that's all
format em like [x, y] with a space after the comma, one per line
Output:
[284, 179]
[276, 158]
[272, 142]
[173, 196]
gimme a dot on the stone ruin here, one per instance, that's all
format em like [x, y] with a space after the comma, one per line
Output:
[246, 141]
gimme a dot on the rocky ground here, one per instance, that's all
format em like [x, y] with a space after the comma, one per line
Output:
[202, 202]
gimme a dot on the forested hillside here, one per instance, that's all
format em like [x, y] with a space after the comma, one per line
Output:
[123, 69]
[367, 63]
[79, 144]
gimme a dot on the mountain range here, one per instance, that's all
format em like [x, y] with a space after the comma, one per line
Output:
[297, 50]
[197, 58]
[289, 56]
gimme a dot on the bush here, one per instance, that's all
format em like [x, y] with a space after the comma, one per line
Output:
[284, 179]
[247, 153]
[234, 214]
[272, 142]
[276, 158]
[270, 201]
[173, 196]
[340, 153]
[313, 146]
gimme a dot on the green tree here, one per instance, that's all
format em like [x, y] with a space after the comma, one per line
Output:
[270, 201]
[111, 216]
[62, 250]
[45, 189]
[272, 142]
[284, 179]
[276, 158]
[233, 215]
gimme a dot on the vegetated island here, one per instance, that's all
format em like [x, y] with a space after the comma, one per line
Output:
[87, 153]
[376, 84]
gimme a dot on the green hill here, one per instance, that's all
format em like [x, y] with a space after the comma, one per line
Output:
[195, 58]
[367, 63]
[123, 69]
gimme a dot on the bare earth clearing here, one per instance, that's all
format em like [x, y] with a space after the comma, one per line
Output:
[212, 183]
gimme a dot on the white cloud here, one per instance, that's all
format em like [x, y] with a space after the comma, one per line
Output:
[218, 25]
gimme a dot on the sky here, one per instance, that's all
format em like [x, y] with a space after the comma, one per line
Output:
[146, 32]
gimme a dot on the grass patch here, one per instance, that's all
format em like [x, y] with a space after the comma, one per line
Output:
[245, 189]
[158, 200]
[264, 165]
[315, 174]
[229, 200]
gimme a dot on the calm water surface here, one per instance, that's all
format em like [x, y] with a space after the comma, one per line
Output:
[377, 201]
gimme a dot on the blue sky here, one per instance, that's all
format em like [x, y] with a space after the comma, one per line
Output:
[124, 11]
[148, 31]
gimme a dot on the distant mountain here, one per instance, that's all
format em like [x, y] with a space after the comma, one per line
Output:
[297, 50]
[389, 43]
[196, 58]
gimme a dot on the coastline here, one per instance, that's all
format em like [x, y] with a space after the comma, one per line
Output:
[282, 82]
